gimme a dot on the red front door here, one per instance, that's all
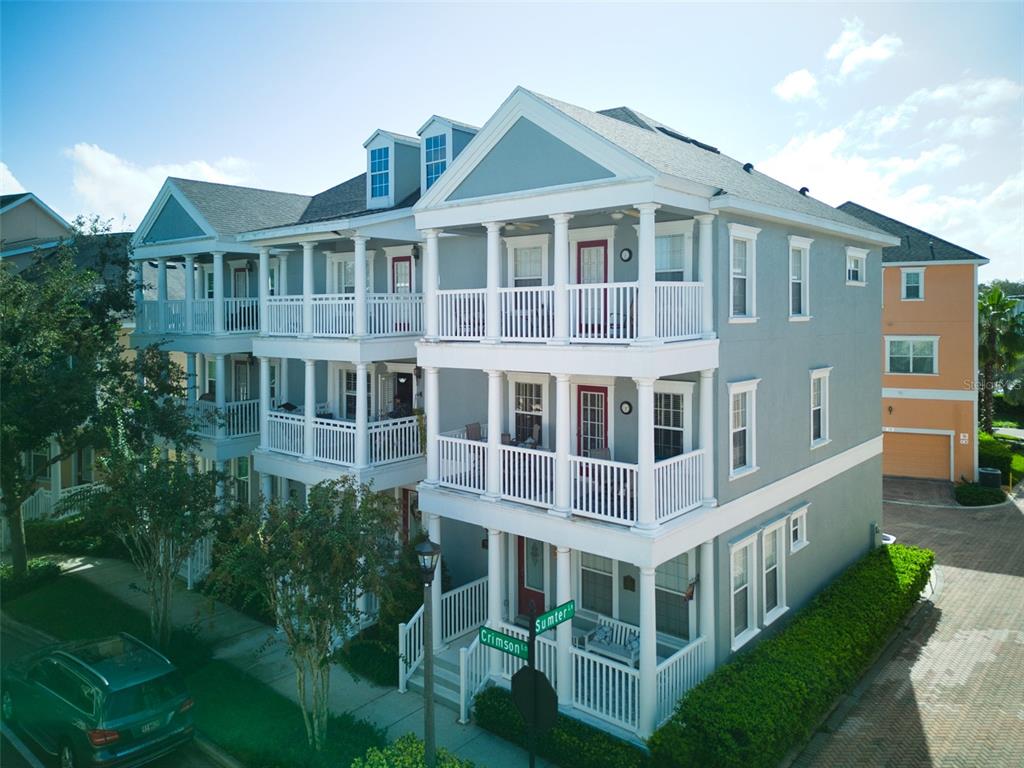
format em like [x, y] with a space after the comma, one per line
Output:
[531, 575]
[591, 419]
[591, 268]
[401, 274]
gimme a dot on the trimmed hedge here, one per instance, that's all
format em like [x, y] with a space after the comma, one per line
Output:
[753, 710]
[40, 571]
[974, 495]
[407, 752]
[570, 744]
[74, 535]
[995, 454]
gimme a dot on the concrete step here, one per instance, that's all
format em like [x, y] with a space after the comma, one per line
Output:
[446, 686]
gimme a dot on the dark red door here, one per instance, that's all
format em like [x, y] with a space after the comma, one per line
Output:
[592, 267]
[591, 419]
[531, 575]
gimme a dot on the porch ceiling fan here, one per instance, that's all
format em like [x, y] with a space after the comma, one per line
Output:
[617, 215]
[522, 225]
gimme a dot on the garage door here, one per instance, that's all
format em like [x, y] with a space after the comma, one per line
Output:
[909, 455]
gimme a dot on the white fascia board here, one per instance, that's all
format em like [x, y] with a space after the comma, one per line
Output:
[679, 184]
[464, 127]
[733, 204]
[331, 226]
[192, 245]
[34, 247]
[42, 206]
[395, 137]
[935, 263]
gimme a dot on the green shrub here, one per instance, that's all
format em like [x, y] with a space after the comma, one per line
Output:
[974, 495]
[570, 744]
[74, 535]
[40, 571]
[996, 454]
[753, 710]
[373, 655]
[407, 752]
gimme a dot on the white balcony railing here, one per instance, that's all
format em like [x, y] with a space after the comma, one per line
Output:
[334, 314]
[527, 314]
[606, 689]
[678, 674]
[242, 315]
[284, 315]
[240, 418]
[149, 319]
[603, 489]
[394, 440]
[285, 433]
[394, 314]
[174, 316]
[678, 483]
[334, 441]
[678, 310]
[202, 316]
[602, 312]
[462, 314]
[527, 475]
[463, 462]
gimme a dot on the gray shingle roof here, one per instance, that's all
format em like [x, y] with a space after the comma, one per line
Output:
[230, 209]
[915, 244]
[345, 200]
[688, 160]
[6, 200]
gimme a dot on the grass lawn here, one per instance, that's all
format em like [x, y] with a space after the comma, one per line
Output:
[259, 726]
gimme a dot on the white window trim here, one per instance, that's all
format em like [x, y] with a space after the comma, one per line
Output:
[527, 241]
[736, 388]
[682, 227]
[798, 518]
[546, 415]
[752, 629]
[578, 574]
[749, 235]
[904, 271]
[574, 394]
[778, 529]
[447, 133]
[857, 253]
[933, 339]
[802, 244]
[332, 259]
[684, 388]
[577, 236]
[826, 435]
[391, 252]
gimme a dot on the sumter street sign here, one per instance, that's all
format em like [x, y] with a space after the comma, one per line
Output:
[506, 643]
[554, 617]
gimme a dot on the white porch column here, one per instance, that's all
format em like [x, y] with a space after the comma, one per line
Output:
[190, 292]
[359, 326]
[55, 473]
[362, 406]
[263, 278]
[309, 410]
[493, 331]
[705, 258]
[645, 453]
[221, 395]
[563, 442]
[282, 274]
[264, 402]
[218, 292]
[430, 272]
[494, 382]
[648, 684]
[646, 331]
[495, 541]
[431, 414]
[434, 529]
[266, 487]
[707, 429]
[563, 632]
[561, 278]
[307, 288]
[706, 602]
[190, 378]
[140, 282]
[282, 385]
[161, 290]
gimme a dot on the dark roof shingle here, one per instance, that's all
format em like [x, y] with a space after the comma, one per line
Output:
[230, 209]
[915, 244]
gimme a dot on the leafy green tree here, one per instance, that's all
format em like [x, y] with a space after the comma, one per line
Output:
[314, 560]
[1000, 345]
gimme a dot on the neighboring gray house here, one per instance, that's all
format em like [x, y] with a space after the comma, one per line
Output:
[649, 376]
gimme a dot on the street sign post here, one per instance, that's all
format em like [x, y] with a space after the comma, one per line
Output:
[554, 617]
[507, 643]
[535, 699]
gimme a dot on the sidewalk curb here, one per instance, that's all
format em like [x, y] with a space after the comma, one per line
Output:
[215, 753]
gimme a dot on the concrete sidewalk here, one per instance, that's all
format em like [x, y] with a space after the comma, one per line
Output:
[259, 651]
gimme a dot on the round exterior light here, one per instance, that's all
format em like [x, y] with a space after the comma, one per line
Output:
[427, 553]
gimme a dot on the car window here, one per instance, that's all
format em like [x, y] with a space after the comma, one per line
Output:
[151, 694]
[70, 687]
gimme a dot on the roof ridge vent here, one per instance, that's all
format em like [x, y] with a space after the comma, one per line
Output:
[804, 191]
[748, 167]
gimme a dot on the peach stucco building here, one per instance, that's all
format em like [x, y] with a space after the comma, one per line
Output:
[929, 353]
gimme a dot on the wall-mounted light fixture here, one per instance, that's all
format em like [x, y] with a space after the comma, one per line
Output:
[416, 252]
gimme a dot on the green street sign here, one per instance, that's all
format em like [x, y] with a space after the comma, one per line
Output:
[554, 617]
[506, 643]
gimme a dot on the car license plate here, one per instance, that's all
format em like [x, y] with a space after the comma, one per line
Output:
[150, 727]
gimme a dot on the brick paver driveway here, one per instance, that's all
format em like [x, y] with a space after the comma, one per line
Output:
[953, 694]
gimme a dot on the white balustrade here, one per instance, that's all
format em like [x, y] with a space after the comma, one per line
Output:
[463, 463]
[242, 315]
[334, 441]
[149, 317]
[462, 314]
[678, 674]
[202, 316]
[242, 418]
[678, 484]
[602, 312]
[284, 315]
[197, 565]
[678, 309]
[528, 475]
[204, 418]
[463, 609]
[546, 652]
[410, 647]
[394, 440]
[605, 689]
[333, 314]
[38, 505]
[174, 316]
[394, 314]
[603, 489]
[285, 433]
[527, 314]
[472, 675]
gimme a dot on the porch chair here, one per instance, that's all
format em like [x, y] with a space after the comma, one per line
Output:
[473, 431]
[615, 640]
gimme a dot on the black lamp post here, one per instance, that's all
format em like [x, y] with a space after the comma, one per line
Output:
[427, 552]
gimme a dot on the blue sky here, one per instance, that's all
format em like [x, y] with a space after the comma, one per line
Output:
[913, 109]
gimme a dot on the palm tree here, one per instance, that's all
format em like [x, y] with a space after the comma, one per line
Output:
[1000, 344]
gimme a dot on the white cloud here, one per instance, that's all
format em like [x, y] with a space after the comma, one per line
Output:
[8, 184]
[854, 52]
[966, 126]
[797, 85]
[115, 188]
[972, 95]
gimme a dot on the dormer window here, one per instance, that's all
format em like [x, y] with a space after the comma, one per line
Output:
[436, 148]
[379, 168]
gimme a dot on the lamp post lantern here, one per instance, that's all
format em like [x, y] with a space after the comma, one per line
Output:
[427, 553]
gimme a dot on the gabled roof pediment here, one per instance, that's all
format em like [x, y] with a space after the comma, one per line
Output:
[172, 223]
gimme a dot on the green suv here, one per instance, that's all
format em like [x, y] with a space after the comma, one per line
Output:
[109, 702]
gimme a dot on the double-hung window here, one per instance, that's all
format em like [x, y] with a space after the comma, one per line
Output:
[671, 580]
[349, 395]
[670, 258]
[856, 266]
[819, 406]
[773, 571]
[743, 273]
[528, 410]
[743, 614]
[672, 417]
[742, 404]
[436, 157]
[798, 530]
[527, 267]
[799, 277]
[211, 377]
[912, 354]
[379, 172]
[912, 284]
[596, 583]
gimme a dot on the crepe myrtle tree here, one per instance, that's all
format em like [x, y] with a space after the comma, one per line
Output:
[310, 561]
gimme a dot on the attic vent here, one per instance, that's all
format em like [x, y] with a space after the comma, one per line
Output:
[748, 167]
[678, 136]
[804, 191]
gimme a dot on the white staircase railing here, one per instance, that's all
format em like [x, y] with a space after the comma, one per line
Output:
[678, 674]
[463, 609]
[410, 647]
[472, 675]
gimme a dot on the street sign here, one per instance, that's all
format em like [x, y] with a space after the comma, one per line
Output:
[535, 699]
[506, 643]
[554, 617]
